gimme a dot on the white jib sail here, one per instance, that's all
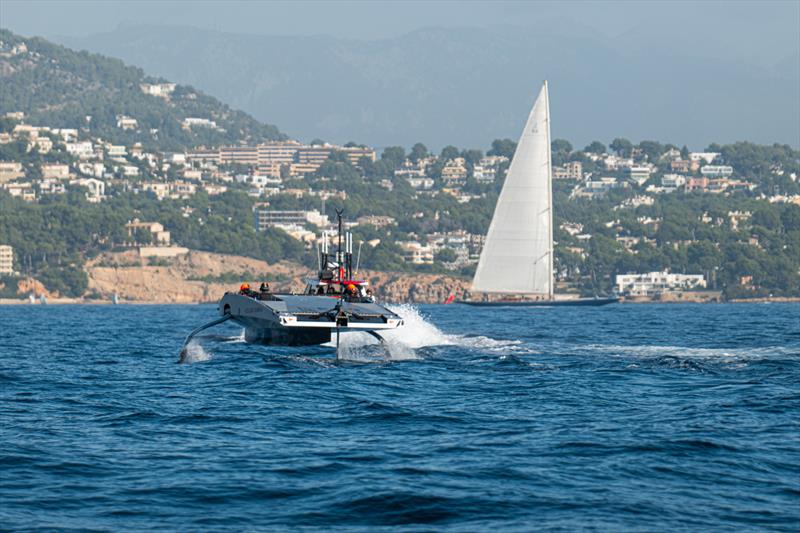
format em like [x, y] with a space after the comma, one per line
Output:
[518, 254]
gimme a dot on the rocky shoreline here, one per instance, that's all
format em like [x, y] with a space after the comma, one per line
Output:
[202, 277]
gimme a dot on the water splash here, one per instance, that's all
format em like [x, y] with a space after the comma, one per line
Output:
[416, 333]
[236, 339]
[194, 353]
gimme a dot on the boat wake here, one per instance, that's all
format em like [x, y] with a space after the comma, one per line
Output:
[406, 343]
[690, 357]
[409, 341]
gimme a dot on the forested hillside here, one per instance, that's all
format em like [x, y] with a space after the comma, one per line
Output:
[69, 89]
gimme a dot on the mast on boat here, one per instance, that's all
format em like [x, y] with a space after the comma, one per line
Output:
[550, 251]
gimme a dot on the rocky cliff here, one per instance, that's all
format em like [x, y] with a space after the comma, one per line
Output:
[204, 277]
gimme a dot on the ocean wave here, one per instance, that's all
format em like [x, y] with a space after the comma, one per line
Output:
[690, 352]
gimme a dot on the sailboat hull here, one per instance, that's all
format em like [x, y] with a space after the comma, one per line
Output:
[580, 302]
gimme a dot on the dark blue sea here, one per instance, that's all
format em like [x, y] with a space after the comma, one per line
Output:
[627, 417]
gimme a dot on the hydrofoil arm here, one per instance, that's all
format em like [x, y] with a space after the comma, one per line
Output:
[198, 330]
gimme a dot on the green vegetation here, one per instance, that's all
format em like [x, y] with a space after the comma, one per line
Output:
[52, 239]
[690, 233]
[743, 243]
[62, 88]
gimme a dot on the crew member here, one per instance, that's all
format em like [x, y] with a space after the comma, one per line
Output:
[263, 291]
[351, 290]
[244, 289]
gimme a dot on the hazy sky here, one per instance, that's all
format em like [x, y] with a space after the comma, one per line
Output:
[753, 39]
[754, 31]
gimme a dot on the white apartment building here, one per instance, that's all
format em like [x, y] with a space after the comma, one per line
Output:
[707, 157]
[66, 134]
[191, 122]
[10, 170]
[92, 169]
[486, 169]
[277, 152]
[44, 144]
[49, 186]
[55, 171]
[21, 190]
[162, 90]
[673, 180]
[379, 221]
[639, 174]
[410, 170]
[96, 189]
[416, 253]
[716, 171]
[160, 236]
[126, 123]
[421, 183]
[455, 171]
[484, 174]
[6, 259]
[573, 170]
[268, 218]
[653, 283]
[117, 151]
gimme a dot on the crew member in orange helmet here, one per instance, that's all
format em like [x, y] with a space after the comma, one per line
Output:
[244, 289]
[351, 290]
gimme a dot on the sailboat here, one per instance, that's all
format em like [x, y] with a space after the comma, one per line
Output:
[516, 262]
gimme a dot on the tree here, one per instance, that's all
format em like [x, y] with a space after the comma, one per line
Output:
[418, 151]
[338, 156]
[768, 218]
[317, 142]
[503, 147]
[445, 255]
[472, 157]
[790, 218]
[561, 145]
[394, 155]
[623, 147]
[651, 149]
[560, 151]
[449, 152]
[596, 147]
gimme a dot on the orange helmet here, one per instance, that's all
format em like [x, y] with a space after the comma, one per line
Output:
[244, 287]
[351, 287]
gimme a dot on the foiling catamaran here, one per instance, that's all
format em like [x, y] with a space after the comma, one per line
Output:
[333, 303]
[516, 263]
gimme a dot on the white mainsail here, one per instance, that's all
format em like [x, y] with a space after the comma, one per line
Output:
[517, 256]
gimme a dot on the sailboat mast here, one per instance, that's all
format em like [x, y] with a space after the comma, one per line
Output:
[549, 190]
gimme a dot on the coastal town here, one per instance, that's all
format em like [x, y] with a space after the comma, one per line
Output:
[435, 207]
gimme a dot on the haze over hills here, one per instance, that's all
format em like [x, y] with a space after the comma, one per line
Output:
[54, 85]
[468, 86]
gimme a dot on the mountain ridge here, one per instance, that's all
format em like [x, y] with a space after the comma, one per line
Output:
[52, 83]
[466, 86]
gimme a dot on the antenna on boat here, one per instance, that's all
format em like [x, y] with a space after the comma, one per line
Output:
[325, 250]
[339, 250]
[358, 257]
[349, 254]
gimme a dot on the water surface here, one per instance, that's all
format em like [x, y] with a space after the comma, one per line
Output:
[638, 417]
